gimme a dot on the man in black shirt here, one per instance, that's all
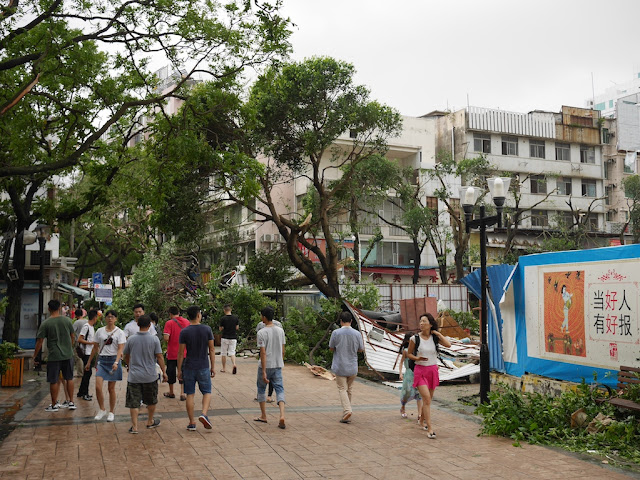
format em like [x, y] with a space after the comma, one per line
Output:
[229, 325]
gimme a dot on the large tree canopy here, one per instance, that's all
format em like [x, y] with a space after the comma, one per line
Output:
[76, 79]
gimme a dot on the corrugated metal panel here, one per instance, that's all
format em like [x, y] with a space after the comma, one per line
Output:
[540, 124]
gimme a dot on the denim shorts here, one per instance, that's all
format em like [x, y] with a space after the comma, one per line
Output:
[274, 376]
[190, 377]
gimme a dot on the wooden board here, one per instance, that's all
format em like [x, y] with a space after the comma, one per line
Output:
[412, 308]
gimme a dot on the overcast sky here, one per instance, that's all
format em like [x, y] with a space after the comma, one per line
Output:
[516, 55]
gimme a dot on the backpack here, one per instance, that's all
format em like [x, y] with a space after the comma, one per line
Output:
[416, 341]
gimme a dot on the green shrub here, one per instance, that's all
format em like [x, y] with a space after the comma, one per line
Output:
[466, 320]
[7, 352]
[545, 420]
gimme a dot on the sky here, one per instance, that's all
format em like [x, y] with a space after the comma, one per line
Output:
[517, 55]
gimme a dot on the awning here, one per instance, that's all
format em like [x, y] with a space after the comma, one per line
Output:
[78, 292]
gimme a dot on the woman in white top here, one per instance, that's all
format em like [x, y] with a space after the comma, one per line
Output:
[425, 372]
[108, 345]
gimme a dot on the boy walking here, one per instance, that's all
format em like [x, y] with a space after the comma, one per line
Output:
[271, 342]
[141, 352]
[229, 325]
[196, 367]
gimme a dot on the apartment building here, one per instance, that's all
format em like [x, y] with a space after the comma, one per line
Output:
[606, 102]
[392, 259]
[555, 159]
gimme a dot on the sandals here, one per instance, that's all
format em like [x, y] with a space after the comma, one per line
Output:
[169, 395]
[431, 435]
[183, 397]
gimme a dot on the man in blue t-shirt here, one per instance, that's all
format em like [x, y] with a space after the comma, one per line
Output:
[196, 367]
[345, 343]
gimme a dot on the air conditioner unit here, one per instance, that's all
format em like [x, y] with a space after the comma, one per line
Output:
[266, 238]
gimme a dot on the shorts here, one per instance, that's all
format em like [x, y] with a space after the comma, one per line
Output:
[190, 377]
[105, 366]
[172, 367]
[426, 375]
[57, 367]
[145, 392]
[228, 347]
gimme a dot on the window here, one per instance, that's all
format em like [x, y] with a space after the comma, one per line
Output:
[539, 218]
[536, 149]
[592, 222]
[626, 216]
[607, 195]
[587, 154]
[564, 186]
[35, 257]
[610, 103]
[588, 188]
[565, 219]
[600, 106]
[353, 134]
[482, 143]
[611, 216]
[563, 151]
[538, 184]
[432, 205]
[509, 146]
[606, 135]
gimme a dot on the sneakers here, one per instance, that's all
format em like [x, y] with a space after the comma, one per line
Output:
[100, 415]
[155, 423]
[205, 421]
[88, 398]
[64, 404]
[51, 408]
[191, 427]
[71, 406]
[111, 417]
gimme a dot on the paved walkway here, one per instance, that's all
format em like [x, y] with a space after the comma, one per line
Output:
[378, 444]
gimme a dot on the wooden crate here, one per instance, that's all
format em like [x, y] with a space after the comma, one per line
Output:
[15, 374]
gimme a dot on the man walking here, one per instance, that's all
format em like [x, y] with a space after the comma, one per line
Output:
[345, 343]
[85, 342]
[58, 330]
[132, 327]
[229, 325]
[172, 330]
[80, 321]
[271, 342]
[141, 352]
[197, 339]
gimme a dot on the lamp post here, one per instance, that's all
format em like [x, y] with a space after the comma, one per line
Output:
[357, 245]
[41, 231]
[497, 186]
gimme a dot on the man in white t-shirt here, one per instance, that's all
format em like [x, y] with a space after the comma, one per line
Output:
[85, 341]
[132, 327]
[271, 341]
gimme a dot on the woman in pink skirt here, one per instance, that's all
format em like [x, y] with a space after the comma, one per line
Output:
[425, 373]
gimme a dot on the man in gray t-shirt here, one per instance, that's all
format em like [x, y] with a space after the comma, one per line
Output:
[271, 342]
[141, 352]
[345, 343]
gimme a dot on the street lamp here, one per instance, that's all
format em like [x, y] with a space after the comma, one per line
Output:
[497, 186]
[354, 238]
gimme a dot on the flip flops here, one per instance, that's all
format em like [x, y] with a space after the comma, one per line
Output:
[261, 420]
[281, 424]
[169, 395]
[183, 398]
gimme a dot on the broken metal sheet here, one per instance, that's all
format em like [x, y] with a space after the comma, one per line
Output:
[381, 347]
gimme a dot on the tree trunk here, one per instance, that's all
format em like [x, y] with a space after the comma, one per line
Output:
[416, 262]
[459, 259]
[11, 329]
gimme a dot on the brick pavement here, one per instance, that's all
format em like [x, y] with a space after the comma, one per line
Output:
[378, 444]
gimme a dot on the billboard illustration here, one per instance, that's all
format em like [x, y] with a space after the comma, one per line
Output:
[564, 320]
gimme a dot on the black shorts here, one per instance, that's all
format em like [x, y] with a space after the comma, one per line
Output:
[145, 392]
[172, 367]
[55, 367]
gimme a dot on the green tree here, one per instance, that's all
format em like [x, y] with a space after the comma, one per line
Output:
[631, 186]
[74, 73]
[269, 270]
[296, 114]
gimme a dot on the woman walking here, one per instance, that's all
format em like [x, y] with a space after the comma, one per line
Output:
[109, 345]
[408, 391]
[425, 373]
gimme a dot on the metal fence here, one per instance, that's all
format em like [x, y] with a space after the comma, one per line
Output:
[455, 297]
